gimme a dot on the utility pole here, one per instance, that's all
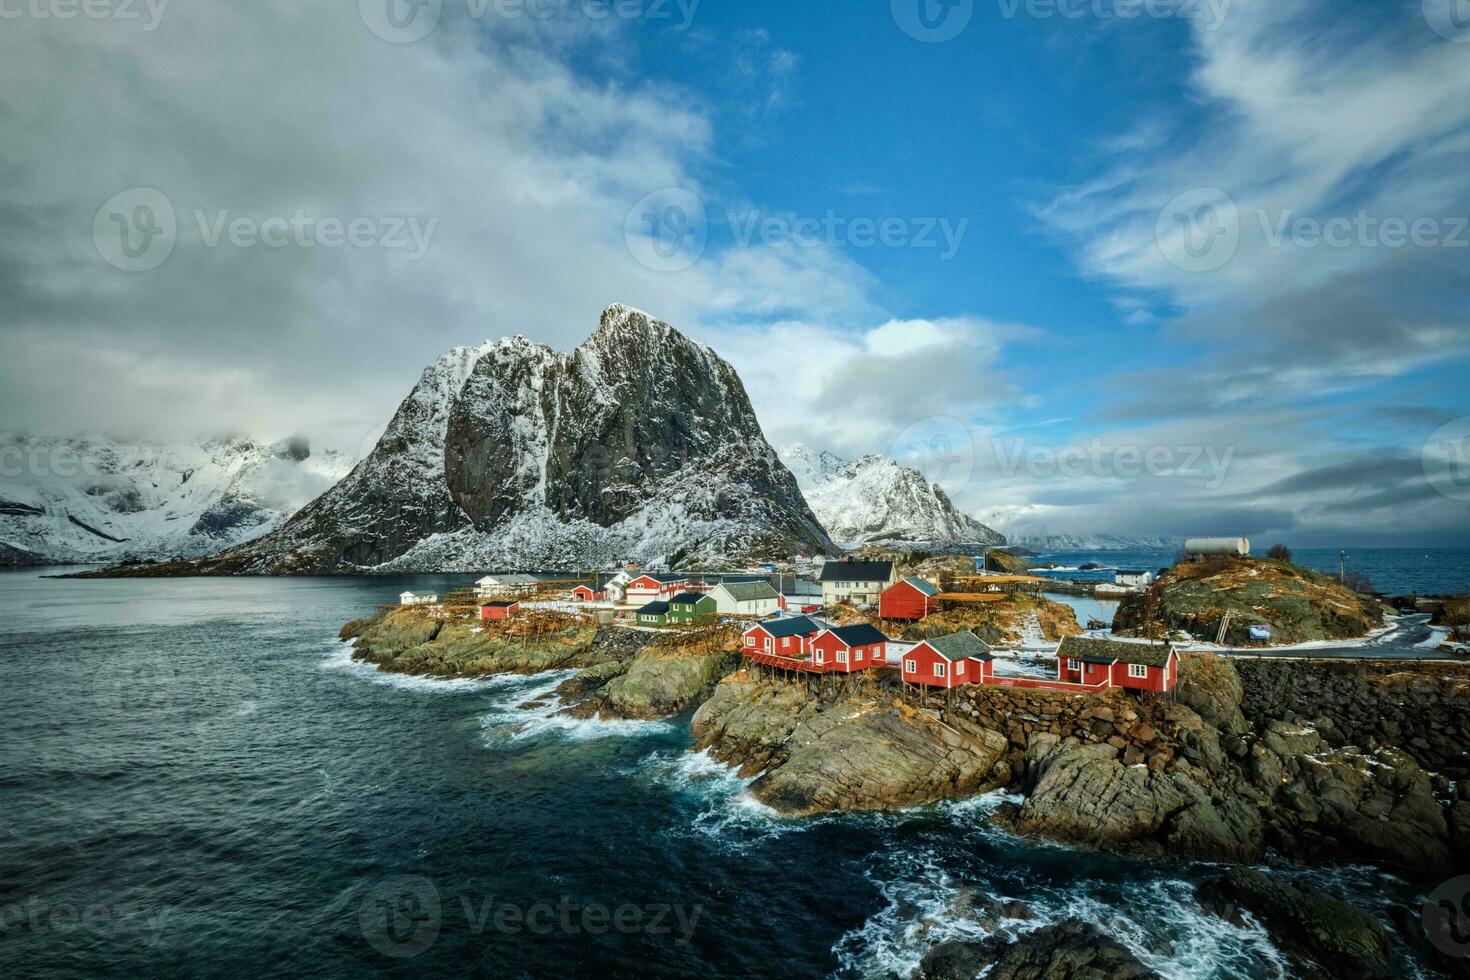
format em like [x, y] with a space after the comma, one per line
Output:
[1342, 559]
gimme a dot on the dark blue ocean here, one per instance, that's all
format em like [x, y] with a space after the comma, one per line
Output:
[198, 781]
[1394, 571]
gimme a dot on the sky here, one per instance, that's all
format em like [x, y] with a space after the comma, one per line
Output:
[1154, 268]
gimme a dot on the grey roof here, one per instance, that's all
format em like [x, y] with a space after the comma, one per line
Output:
[857, 571]
[654, 609]
[660, 577]
[792, 626]
[860, 635]
[501, 603]
[1108, 651]
[749, 591]
[960, 646]
[687, 598]
[923, 585]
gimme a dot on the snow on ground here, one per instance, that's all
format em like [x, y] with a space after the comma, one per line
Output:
[1438, 635]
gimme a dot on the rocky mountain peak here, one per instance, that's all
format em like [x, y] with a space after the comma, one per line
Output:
[874, 500]
[639, 444]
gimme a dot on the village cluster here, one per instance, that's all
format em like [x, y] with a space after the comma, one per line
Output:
[786, 631]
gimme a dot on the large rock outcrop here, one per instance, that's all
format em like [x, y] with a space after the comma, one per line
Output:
[1070, 950]
[863, 752]
[1296, 603]
[639, 444]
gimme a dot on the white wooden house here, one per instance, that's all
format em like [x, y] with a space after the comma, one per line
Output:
[745, 599]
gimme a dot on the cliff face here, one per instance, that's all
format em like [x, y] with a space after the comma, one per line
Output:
[640, 444]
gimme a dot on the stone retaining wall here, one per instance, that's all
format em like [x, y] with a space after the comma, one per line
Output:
[1422, 708]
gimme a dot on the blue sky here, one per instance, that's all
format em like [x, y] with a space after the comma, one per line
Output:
[1138, 330]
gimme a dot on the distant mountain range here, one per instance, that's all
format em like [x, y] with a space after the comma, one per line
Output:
[86, 500]
[1046, 543]
[640, 444]
[875, 501]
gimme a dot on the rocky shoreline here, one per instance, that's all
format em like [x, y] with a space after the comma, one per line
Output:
[1243, 762]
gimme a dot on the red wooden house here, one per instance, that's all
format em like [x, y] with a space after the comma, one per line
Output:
[1139, 666]
[846, 649]
[498, 609]
[948, 661]
[585, 593]
[654, 587]
[910, 598]
[784, 642]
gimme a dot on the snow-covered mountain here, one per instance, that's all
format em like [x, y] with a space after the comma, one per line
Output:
[1048, 543]
[874, 501]
[639, 444]
[94, 499]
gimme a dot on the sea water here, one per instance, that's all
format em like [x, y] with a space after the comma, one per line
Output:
[197, 779]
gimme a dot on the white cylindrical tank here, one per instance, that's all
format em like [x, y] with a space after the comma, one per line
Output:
[1218, 546]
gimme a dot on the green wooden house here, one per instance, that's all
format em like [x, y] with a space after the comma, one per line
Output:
[692, 607]
[654, 614]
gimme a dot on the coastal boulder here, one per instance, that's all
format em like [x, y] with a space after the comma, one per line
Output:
[662, 682]
[1070, 950]
[1310, 925]
[859, 753]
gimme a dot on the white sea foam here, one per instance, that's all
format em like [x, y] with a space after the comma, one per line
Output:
[339, 657]
[513, 720]
[729, 814]
[1158, 919]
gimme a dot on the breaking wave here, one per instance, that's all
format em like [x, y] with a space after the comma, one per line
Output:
[339, 658]
[535, 710]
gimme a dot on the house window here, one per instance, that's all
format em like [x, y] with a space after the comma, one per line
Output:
[1074, 664]
[1138, 670]
[821, 657]
[750, 641]
[768, 644]
[842, 656]
[938, 670]
[911, 666]
[960, 667]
